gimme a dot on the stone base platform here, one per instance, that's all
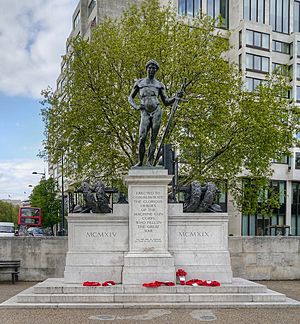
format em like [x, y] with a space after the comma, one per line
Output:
[241, 293]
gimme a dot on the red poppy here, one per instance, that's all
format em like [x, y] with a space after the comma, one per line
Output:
[213, 283]
[208, 283]
[108, 283]
[91, 283]
[169, 283]
[181, 273]
[156, 284]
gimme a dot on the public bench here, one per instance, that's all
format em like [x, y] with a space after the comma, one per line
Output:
[10, 267]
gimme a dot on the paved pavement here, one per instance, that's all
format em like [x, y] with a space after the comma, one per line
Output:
[149, 316]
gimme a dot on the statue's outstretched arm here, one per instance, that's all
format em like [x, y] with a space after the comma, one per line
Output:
[167, 101]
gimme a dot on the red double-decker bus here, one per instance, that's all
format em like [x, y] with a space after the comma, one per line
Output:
[30, 216]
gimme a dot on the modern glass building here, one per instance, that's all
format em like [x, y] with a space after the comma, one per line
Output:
[265, 34]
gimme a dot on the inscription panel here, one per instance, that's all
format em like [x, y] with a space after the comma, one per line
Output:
[95, 237]
[196, 237]
[148, 222]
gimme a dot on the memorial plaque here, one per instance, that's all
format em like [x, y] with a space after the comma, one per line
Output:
[148, 207]
[95, 237]
[195, 237]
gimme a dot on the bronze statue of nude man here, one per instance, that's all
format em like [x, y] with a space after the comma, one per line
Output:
[149, 90]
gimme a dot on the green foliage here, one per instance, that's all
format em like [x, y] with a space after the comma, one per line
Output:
[44, 196]
[258, 196]
[219, 131]
[8, 212]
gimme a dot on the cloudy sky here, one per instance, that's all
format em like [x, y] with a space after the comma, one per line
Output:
[32, 39]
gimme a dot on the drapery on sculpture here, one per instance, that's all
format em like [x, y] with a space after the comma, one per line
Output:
[150, 90]
[201, 198]
[100, 204]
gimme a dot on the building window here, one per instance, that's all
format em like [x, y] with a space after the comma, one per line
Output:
[93, 23]
[63, 83]
[189, 7]
[222, 200]
[254, 10]
[297, 160]
[258, 40]
[276, 66]
[76, 20]
[91, 6]
[257, 63]
[216, 8]
[259, 225]
[295, 224]
[240, 39]
[298, 48]
[279, 15]
[280, 47]
[240, 61]
[63, 67]
[298, 94]
[298, 71]
[252, 83]
[279, 215]
[283, 160]
[297, 16]
[279, 68]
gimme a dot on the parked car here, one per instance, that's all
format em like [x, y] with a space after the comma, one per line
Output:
[7, 229]
[35, 231]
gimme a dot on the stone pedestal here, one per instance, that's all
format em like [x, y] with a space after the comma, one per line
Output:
[199, 243]
[148, 258]
[147, 239]
[96, 246]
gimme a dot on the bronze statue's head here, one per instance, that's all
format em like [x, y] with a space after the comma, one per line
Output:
[152, 62]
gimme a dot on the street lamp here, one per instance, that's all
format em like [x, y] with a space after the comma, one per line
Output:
[41, 173]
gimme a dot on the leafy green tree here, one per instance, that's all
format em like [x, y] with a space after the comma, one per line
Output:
[220, 130]
[8, 212]
[44, 196]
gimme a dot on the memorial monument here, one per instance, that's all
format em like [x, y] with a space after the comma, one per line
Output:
[148, 240]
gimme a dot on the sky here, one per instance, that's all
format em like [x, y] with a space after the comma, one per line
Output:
[33, 37]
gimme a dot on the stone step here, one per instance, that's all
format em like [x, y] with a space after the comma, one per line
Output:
[11, 303]
[55, 293]
[29, 297]
[65, 299]
[78, 290]
[270, 296]
[57, 286]
[142, 290]
[224, 289]
[139, 289]
[140, 298]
